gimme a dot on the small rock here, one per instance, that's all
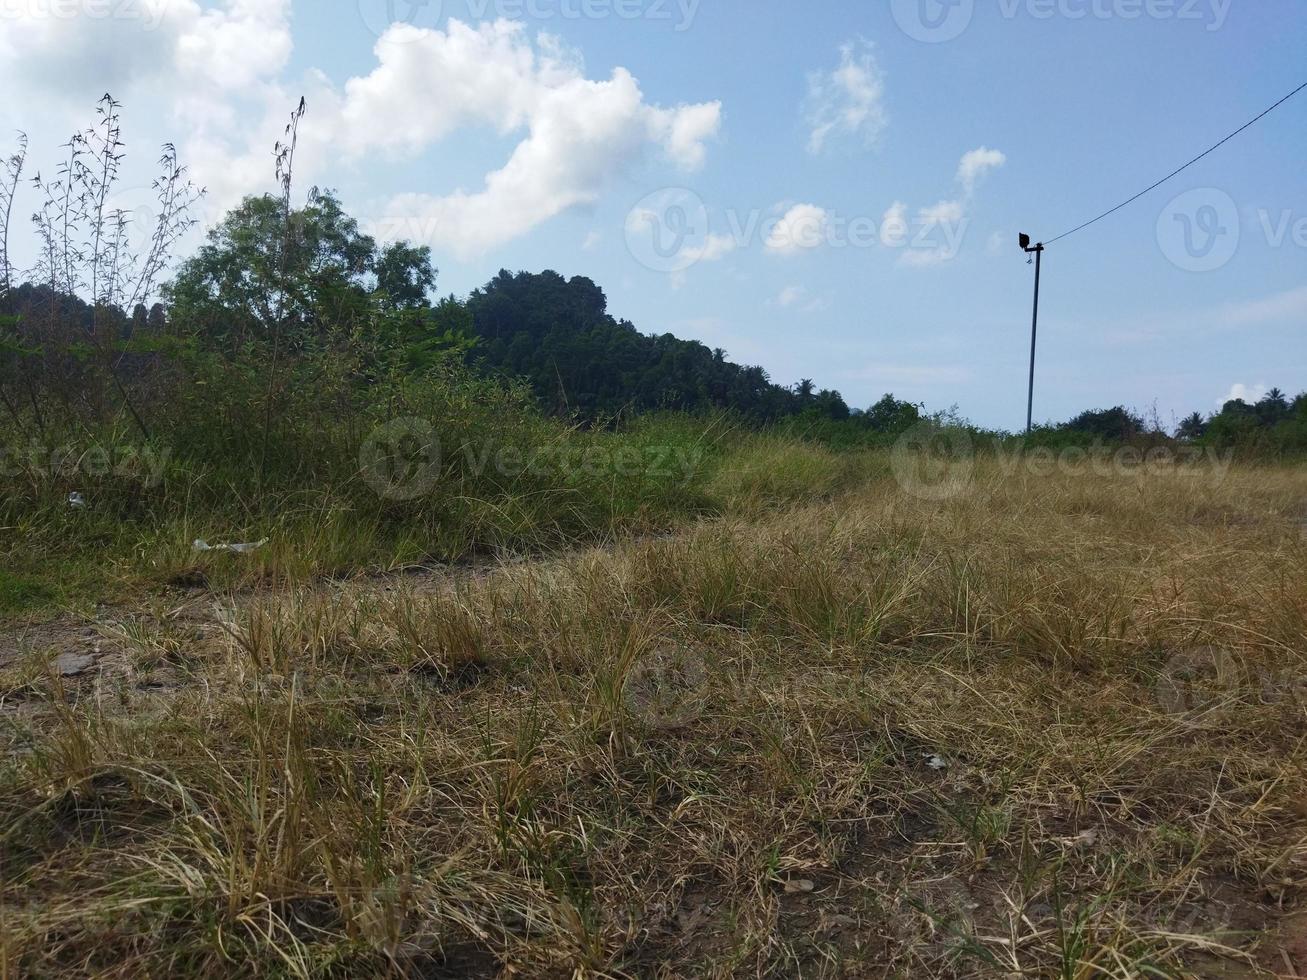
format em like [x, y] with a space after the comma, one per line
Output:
[74, 664]
[839, 921]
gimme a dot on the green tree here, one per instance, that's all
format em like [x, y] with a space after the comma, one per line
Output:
[311, 275]
[1113, 424]
[1192, 428]
[1273, 409]
[405, 276]
[891, 415]
[1237, 424]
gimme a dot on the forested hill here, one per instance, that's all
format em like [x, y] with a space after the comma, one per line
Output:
[331, 279]
[558, 334]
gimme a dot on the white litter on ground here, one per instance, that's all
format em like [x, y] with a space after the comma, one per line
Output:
[236, 549]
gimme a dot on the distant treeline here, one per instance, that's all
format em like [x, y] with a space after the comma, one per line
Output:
[1275, 425]
[254, 292]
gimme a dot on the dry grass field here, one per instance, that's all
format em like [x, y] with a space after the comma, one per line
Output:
[1048, 726]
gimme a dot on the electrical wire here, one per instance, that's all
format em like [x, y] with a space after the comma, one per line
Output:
[1206, 153]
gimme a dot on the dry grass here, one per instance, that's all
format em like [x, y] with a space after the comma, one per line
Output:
[1050, 727]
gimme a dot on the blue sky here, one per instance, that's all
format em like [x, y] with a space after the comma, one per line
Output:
[800, 166]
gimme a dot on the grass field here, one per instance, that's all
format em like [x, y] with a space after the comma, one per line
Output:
[1044, 725]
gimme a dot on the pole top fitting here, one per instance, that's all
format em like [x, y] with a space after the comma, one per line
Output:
[1024, 241]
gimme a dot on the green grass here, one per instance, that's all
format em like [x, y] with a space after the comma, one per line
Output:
[20, 594]
[460, 468]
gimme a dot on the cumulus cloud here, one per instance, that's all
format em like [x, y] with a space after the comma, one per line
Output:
[940, 228]
[201, 75]
[685, 131]
[231, 46]
[579, 132]
[803, 227]
[943, 212]
[714, 247]
[678, 248]
[1251, 394]
[220, 70]
[894, 227]
[975, 164]
[848, 100]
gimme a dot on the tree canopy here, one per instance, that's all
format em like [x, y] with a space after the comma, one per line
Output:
[558, 334]
[308, 275]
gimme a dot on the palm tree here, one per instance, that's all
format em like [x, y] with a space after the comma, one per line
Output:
[1192, 428]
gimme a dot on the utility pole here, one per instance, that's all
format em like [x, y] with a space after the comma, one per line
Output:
[1034, 328]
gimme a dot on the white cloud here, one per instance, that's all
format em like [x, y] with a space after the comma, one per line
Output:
[1282, 306]
[944, 212]
[236, 46]
[797, 298]
[937, 236]
[579, 132]
[940, 228]
[203, 76]
[1274, 312]
[714, 247]
[176, 45]
[218, 71]
[1251, 394]
[975, 164]
[803, 227]
[592, 241]
[848, 101]
[895, 231]
[685, 131]
[924, 258]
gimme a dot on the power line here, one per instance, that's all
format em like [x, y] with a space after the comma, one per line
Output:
[1206, 153]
